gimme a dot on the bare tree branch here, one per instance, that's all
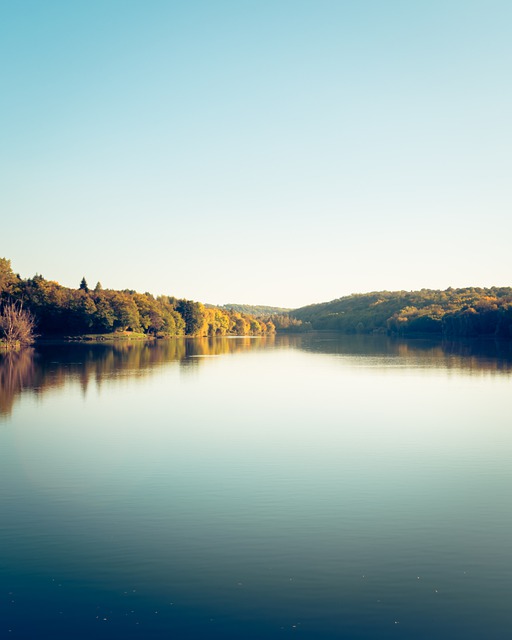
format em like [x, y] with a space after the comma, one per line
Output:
[17, 325]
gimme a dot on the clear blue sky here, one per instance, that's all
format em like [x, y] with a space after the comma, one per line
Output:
[268, 152]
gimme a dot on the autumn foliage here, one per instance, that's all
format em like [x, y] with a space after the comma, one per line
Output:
[58, 310]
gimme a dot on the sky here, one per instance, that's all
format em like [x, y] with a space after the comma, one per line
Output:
[278, 152]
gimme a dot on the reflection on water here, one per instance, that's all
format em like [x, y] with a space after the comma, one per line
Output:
[465, 355]
[52, 365]
[17, 372]
[317, 486]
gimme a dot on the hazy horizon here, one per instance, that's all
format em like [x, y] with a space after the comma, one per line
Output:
[91, 285]
[284, 153]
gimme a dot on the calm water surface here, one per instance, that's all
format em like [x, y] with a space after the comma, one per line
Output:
[308, 486]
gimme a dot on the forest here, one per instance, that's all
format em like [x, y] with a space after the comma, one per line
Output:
[56, 310]
[255, 310]
[50, 309]
[466, 312]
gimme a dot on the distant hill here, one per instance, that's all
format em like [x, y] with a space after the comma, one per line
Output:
[255, 310]
[471, 311]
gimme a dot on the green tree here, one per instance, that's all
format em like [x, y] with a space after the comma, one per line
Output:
[126, 314]
[150, 313]
[105, 317]
[193, 315]
[7, 277]
[174, 325]
[82, 312]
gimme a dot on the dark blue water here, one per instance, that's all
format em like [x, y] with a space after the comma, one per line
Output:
[311, 487]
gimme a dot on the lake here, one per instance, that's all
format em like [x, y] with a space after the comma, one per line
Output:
[311, 486]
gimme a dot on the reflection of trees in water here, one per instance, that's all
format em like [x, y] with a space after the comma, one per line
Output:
[199, 349]
[480, 355]
[16, 374]
[470, 355]
[53, 365]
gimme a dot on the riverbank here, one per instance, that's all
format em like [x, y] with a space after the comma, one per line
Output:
[109, 337]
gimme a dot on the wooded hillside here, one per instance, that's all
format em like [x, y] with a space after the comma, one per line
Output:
[468, 312]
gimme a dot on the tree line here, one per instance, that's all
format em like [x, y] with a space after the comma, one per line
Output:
[257, 310]
[53, 309]
[466, 312]
[63, 311]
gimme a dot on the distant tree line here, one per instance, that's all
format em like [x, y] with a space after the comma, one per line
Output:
[260, 311]
[286, 323]
[51, 309]
[59, 310]
[466, 312]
